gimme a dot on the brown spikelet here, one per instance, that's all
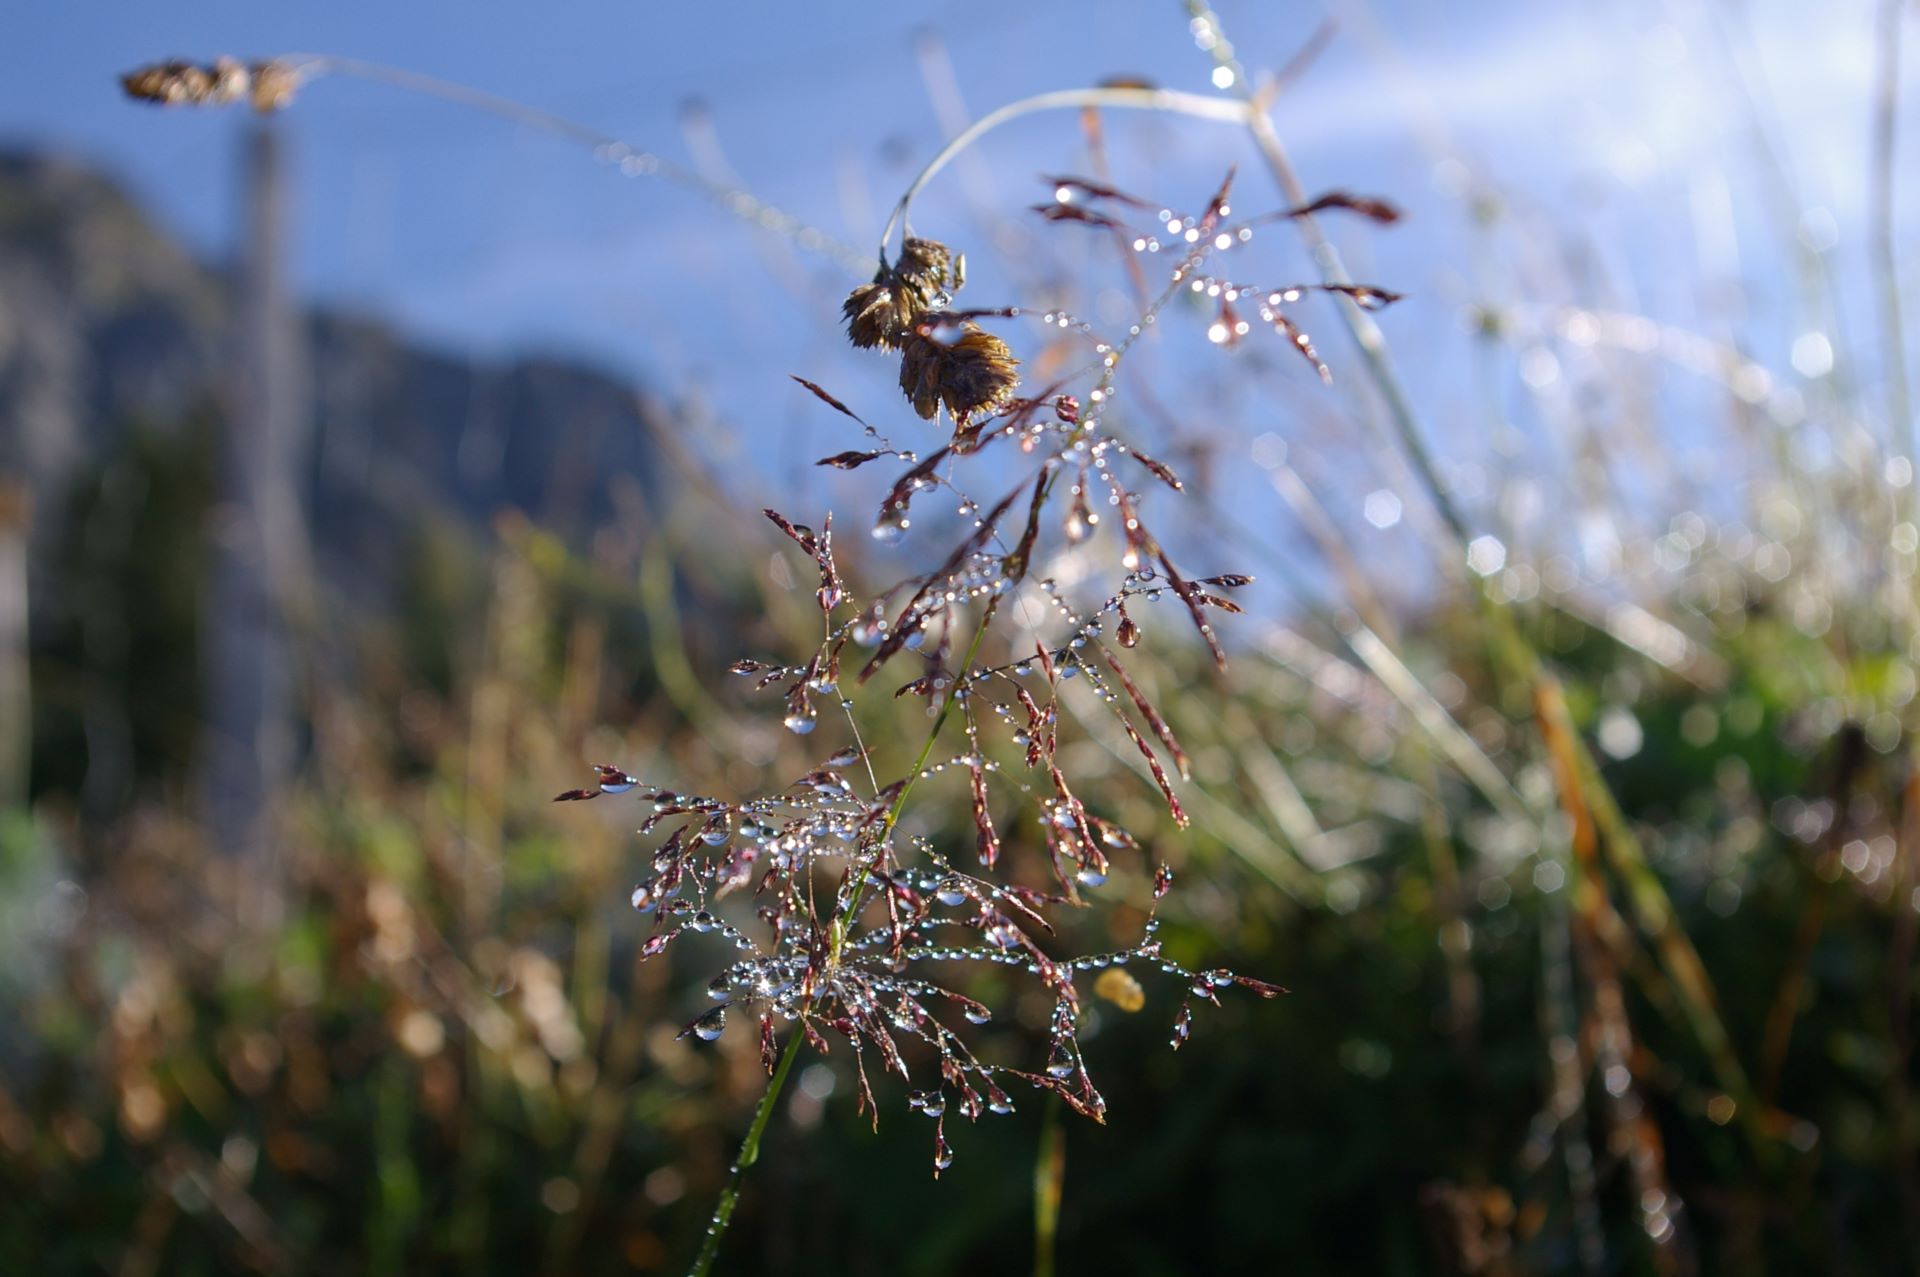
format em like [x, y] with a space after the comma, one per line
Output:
[988, 841]
[880, 313]
[1159, 773]
[168, 83]
[268, 84]
[883, 313]
[1302, 343]
[926, 264]
[850, 460]
[1264, 988]
[1189, 595]
[1094, 190]
[827, 399]
[802, 535]
[1015, 564]
[974, 373]
[1074, 213]
[1153, 717]
[1367, 206]
[1365, 296]
[1160, 469]
[273, 86]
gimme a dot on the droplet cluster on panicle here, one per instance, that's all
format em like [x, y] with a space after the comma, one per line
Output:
[833, 925]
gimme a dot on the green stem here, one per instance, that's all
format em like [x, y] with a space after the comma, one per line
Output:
[750, 1146]
[749, 1154]
[1049, 1174]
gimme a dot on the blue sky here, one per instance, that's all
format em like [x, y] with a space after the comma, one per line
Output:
[1612, 134]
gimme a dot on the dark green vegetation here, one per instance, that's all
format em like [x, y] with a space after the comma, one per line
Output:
[445, 1059]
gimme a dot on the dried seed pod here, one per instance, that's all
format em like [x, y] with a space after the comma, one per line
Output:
[269, 84]
[927, 263]
[879, 314]
[273, 86]
[974, 373]
[166, 83]
[231, 80]
[883, 313]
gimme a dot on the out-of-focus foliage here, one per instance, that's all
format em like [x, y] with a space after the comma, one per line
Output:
[440, 1055]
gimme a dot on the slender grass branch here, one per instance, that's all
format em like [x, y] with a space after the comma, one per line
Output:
[1902, 429]
[634, 161]
[763, 1113]
[1171, 101]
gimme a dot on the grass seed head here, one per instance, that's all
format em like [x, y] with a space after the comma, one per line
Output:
[976, 372]
[269, 85]
[884, 313]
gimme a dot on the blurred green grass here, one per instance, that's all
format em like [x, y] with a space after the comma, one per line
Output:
[440, 1055]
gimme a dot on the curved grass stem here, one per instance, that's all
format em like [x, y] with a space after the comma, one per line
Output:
[1171, 101]
[632, 160]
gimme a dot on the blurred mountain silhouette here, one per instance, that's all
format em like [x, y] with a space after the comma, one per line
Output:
[194, 541]
[107, 323]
